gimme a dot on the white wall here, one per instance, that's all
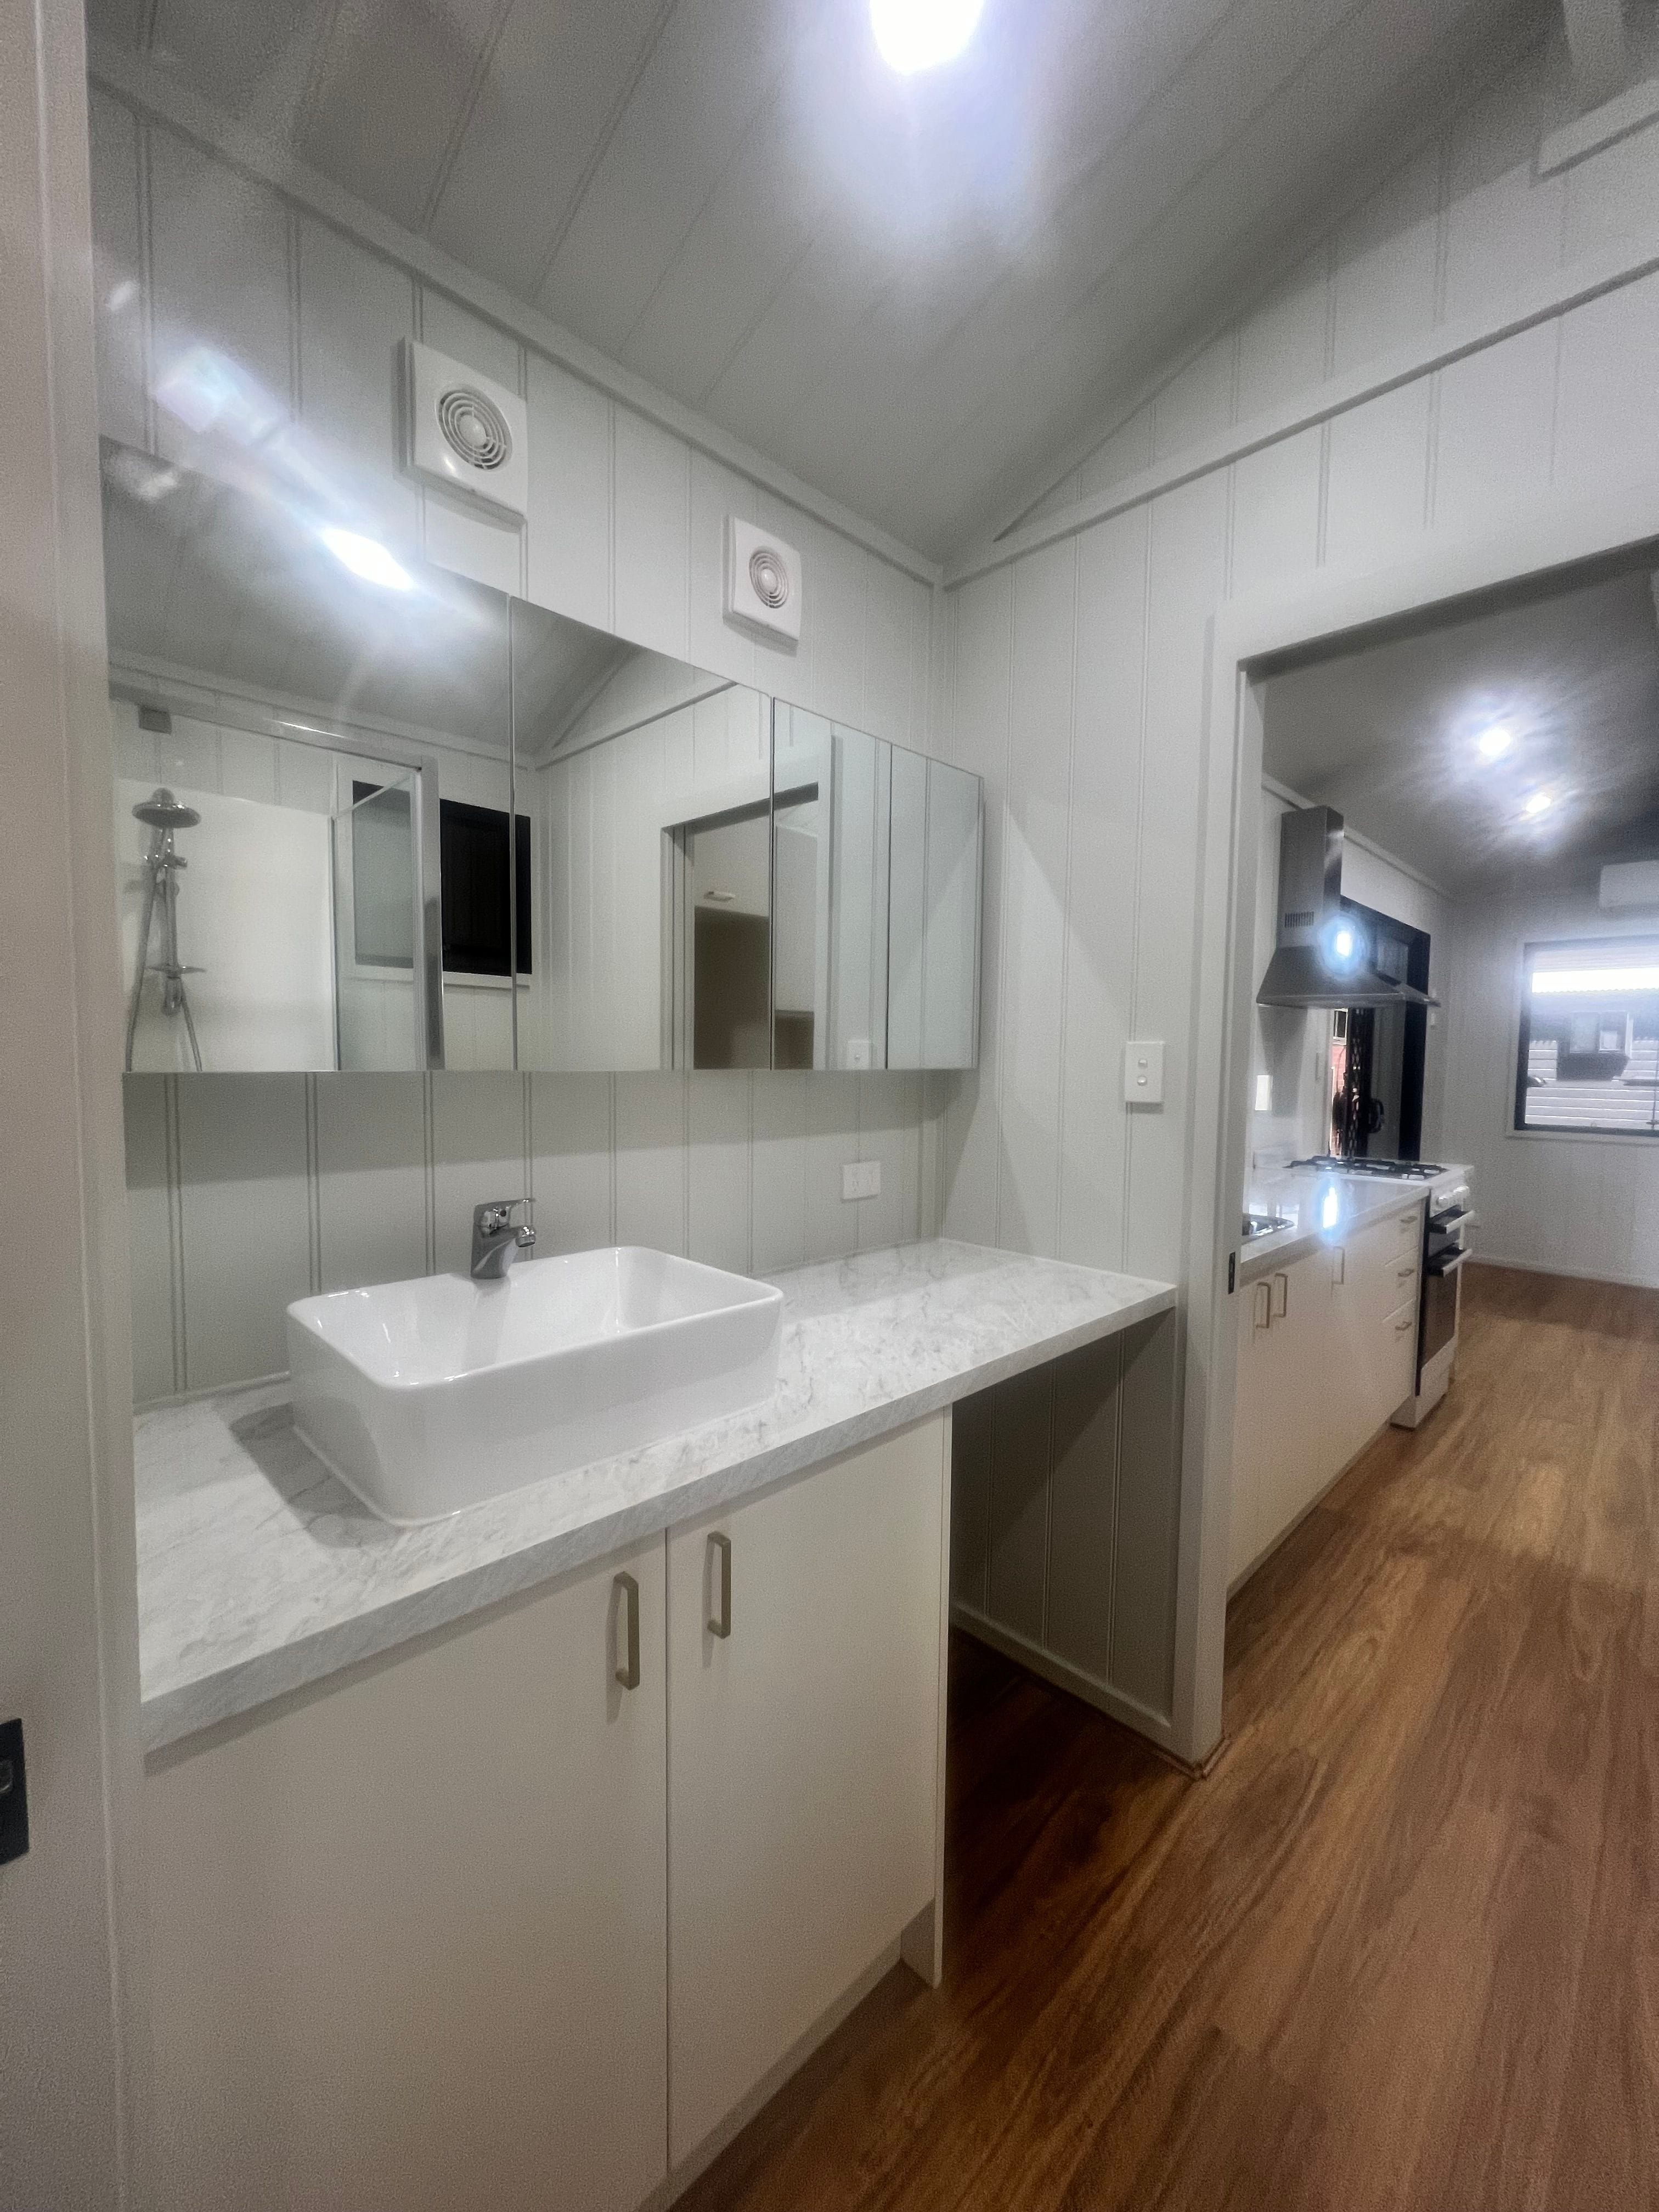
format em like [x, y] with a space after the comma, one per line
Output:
[1077, 664]
[1078, 669]
[1292, 1046]
[1572, 1205]
[247, 1191]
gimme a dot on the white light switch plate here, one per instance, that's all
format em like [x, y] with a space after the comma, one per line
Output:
[861, 1179]
[1143, 1071]
[857, 1052]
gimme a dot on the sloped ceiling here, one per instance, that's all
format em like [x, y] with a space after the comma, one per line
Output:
[910, 292]
[1390, 734]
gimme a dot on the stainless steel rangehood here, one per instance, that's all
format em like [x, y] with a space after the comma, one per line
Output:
[1323, 955]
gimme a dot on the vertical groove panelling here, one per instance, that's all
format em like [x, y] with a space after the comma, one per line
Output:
[1102, 871]
[245, 1221]
[1033, 933]
[1563, 406]
[984, 616]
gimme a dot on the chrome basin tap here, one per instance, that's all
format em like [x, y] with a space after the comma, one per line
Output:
[497, 1241]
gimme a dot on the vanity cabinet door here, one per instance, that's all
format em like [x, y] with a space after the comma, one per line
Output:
[803, 1759]
[408, 1932]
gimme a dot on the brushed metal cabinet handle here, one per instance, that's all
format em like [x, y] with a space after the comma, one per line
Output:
[720, 1556]
[627, 1590]
[1282, 1286]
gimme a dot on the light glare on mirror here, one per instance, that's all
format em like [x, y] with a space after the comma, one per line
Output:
[367, 558]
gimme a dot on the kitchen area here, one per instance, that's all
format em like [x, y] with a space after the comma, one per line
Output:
[1454, 1058]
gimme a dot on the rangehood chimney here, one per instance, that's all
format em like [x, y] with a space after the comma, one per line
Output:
[1322, 956]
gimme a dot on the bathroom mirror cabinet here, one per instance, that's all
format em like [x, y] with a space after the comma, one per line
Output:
[370, 815]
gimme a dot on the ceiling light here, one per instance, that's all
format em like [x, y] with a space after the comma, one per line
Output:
[1540, 802]
[919, 34]
[1494, 741]
[367, 558]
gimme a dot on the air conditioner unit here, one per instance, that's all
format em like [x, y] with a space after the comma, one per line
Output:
[467, 433]
[1629, 882]
[763, 581]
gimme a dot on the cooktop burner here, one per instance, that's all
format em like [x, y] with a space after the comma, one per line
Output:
[1397, 1171]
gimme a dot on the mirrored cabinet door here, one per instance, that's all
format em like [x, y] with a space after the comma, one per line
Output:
[647, 788]
[876, 884]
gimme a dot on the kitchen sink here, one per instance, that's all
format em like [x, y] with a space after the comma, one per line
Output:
[429, 1396]
[1265, 1225]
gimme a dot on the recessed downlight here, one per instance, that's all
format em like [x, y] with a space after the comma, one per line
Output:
[921, 35]
[1494, 741]
[1535, 804]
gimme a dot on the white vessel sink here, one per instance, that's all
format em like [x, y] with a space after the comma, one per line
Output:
[428, 1395]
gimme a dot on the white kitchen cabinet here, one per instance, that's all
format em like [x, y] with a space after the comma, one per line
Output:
[1326, 1351]
[1295, 1449]
[804, 1700]
[408, 1933]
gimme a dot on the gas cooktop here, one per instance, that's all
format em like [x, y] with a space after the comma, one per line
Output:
[1397, 1171]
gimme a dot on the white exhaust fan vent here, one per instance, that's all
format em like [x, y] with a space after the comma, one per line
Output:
[467, 433]
[763, 581]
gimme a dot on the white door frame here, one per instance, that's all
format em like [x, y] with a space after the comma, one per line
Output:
[1554, 533]
[73, 2035]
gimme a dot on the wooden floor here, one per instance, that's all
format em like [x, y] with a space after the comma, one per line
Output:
[1401, 1946]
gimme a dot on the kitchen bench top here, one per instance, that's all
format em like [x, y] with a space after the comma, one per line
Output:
[259, 1573]
[1322, 1207]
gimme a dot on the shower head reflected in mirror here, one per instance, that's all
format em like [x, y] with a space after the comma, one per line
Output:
[161, 814]
[161, 811]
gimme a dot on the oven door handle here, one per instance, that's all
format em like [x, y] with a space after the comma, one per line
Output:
[1454, 1218]
[1449, 1264]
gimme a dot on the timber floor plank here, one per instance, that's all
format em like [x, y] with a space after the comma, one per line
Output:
[1401, 1948]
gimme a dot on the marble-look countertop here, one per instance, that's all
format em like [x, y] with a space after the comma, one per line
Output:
[258, 1573]
[1322, 1208]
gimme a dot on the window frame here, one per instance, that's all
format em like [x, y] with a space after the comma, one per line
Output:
[1587, 948]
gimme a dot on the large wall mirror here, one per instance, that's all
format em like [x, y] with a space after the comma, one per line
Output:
[370, 815]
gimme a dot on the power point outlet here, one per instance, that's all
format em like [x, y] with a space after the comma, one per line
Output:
[861, 1179]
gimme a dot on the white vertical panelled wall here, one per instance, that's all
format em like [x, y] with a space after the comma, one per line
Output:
[248, 1191]
[1077, 658]
[1581, 1205]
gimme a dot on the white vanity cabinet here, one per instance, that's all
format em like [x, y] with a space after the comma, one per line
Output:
[408, 1933]
[414, 1932]
[805, 1694]
[1326, 1351]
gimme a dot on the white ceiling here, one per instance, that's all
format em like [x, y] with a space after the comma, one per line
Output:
[1389, 735]
[913, 293]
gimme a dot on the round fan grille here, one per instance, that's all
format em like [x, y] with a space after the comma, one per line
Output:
[769, 577]
[474, 427]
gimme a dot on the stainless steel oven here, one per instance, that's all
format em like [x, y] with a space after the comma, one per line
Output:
[1449, 1220]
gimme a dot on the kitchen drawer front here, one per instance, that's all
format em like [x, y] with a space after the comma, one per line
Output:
[1398, 1358]
[1381, 1264]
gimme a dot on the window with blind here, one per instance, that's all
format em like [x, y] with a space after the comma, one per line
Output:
[1589, 1051]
